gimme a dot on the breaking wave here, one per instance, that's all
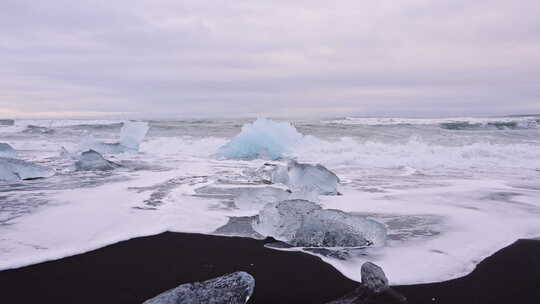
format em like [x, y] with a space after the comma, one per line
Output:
[454, 123]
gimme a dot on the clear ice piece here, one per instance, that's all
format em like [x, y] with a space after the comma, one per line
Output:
[305, 224]
[234, 288]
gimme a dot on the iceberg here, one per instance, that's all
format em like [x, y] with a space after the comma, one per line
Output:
[303, 223]
[300, 177]
[12, 170]
[93, 161]
[234, 288]
[264, 138]
[7, 151]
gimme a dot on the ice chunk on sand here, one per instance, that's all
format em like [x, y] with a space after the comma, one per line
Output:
[264, 139]
[301, 177]
[373, 277]
[335, 228]
[133, 133]
[7, 151]
[15, 169]
[234, 288]
[305, 224]
[91, 160]
[374, 289]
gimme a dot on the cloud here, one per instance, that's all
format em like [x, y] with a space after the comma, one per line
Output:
[243, 58]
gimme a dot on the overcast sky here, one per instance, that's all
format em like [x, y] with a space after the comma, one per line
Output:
[275, 58]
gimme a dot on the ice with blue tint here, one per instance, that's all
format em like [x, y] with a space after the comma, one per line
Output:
[305, 224]
[7, 151]
[12, 170]
[264, 138]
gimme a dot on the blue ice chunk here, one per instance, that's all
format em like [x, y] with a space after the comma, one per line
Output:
[264, 138]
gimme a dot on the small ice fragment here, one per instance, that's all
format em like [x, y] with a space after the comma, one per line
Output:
[234, 288]
[133, 133]
[91, 160]
[7, 151]
[305, 224]
[264, 138]
[15, 169]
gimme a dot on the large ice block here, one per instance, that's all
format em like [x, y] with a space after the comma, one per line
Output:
[305, 224]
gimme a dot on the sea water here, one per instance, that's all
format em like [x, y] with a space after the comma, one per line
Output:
[450, 191]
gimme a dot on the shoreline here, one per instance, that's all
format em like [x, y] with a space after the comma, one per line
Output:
[135, 270]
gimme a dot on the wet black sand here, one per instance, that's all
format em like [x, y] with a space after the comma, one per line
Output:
[135, 270]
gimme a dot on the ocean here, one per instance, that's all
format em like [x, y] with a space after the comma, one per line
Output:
[450, 191]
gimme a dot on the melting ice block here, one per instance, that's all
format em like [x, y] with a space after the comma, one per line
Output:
[314, 178]
[305, 224]
[234, 288]
[15, 169]
[7, 151]
[301, 177]
[264, 139]
[93, 161]
[131, 136]
[133, 133]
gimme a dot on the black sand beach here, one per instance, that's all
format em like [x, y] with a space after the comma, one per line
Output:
[135, 270]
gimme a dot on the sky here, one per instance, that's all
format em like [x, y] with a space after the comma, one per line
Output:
[213, 58]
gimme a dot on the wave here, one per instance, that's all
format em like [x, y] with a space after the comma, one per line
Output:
[416, 153]
[454, 123]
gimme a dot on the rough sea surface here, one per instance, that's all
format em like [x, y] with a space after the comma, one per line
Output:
[450, 191]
